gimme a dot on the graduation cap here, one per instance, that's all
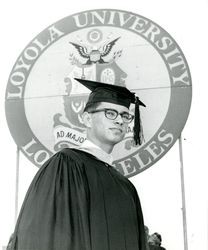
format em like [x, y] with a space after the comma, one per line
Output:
[103, 92]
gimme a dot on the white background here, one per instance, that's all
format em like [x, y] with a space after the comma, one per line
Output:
[158, 187]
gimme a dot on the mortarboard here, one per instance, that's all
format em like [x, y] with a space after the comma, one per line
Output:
[103, 92]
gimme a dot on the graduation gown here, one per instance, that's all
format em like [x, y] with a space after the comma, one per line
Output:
[77, 202]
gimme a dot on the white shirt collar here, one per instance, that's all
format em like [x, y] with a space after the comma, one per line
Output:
[90, 147]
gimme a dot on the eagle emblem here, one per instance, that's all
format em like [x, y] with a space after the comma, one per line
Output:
[95, 55]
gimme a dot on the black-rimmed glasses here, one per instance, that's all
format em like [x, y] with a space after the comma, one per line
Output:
[112, 114]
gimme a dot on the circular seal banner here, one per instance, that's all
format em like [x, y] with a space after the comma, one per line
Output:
[44, 103]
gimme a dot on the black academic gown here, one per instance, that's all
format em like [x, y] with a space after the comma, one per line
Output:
[77, 202]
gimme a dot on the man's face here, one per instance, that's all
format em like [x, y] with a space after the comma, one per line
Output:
[105, 131]
[153, 239]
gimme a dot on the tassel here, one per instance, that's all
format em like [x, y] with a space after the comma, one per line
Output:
[138, 130]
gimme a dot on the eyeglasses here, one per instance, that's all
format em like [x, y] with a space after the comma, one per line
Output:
[112, 114]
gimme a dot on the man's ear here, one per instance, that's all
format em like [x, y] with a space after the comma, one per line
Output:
[87, 118]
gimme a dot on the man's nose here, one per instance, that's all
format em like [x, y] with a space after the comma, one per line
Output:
[119, 119]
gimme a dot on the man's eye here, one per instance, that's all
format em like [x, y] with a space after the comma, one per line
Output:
[111, 113]
[125, 116]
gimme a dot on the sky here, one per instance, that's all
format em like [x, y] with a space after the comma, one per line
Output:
[159, 187]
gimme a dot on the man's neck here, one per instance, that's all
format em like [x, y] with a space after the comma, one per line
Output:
[97, 151]
[105, 147]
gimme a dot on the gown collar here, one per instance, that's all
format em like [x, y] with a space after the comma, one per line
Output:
[89, 147]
